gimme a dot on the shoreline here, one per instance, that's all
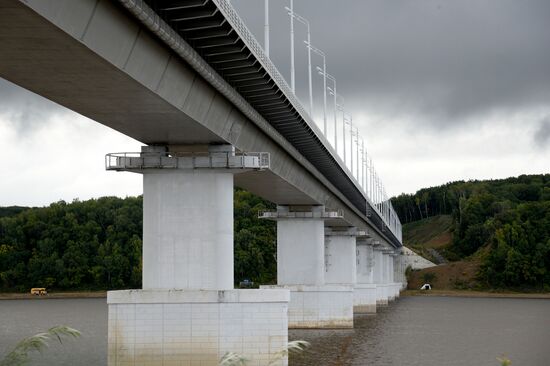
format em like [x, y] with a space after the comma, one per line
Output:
[477, 294]
[441, 293]
[55, 295]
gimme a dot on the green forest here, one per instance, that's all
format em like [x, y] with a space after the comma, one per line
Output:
[504, 223]
[96, 244]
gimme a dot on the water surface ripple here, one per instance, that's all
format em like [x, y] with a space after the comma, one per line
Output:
[423, 331]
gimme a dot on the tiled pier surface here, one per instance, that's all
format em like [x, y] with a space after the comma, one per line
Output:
[364, 298]
[324, 306]
[196, 328]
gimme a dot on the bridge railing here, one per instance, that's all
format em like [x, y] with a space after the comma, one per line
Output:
[383, 208]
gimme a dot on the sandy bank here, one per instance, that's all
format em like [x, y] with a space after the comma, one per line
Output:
[54, 295]
[459, 293]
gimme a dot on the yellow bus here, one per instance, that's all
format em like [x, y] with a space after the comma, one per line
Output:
[38, 291]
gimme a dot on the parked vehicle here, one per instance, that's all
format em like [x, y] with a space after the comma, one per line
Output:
[39, 291]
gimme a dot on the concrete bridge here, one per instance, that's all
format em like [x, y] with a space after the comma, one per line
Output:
[188, 79]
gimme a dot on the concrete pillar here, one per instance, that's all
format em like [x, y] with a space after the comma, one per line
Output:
[187, 230]
[300, 249]
[315, 302]
[380, 276]
[364, 294]
[188, 312]
[389, 276]
[340, 257]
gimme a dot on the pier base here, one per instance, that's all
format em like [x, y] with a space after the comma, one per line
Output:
[382, 296]
[326, 306]
[364, 298]
[196, 328]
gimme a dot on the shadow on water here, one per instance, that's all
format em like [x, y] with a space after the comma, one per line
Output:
[339, 347]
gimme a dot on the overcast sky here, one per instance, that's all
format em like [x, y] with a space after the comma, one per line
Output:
[441, 91]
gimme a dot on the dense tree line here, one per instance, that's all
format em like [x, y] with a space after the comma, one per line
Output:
[96, 244]
[505, 222]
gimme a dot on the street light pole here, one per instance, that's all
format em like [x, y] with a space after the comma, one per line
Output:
[322, 54]
[306, 22]
[357, 151]
[266, 28]
[363, 176]
[333, 92]
[351, 143]
[292, 71]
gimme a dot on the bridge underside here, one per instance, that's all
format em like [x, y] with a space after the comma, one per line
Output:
[44, 59]
[101, 63]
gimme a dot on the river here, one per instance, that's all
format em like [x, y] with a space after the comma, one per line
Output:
[426, 331]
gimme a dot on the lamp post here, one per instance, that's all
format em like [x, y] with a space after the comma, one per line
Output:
[306, 23]
[351, 142]
[322, 54]
[340, 107]
[373, 198]
[349, 122]
[266, 27]
[363, 162]
[333, 93]
[357, 152]
[292, 70]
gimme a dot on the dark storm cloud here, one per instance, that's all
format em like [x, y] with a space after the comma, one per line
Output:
[542, 135]
[441, 61]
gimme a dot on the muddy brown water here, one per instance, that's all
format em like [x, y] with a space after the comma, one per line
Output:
[424, 331]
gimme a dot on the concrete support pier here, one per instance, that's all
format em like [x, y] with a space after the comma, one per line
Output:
[380, 276]
[188, 312]
[314, 303]
[364, 294]
[391, 285]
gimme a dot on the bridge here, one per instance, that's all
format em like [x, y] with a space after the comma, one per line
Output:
[189, 80]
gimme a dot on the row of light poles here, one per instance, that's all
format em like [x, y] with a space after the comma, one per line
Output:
[368, 179]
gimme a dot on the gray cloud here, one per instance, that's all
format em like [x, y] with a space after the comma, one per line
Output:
[542, 135]
[25, 110]
[440, 61]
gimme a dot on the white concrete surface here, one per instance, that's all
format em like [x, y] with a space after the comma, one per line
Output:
[364, 295]
[187, 230]
[340, 259]
[328, 306]
[196, 328]
[300, 251]
[364, 298]
[365, 262]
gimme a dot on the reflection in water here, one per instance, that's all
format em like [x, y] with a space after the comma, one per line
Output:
[419, 331]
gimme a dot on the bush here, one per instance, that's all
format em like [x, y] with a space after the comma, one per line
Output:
[429, 277]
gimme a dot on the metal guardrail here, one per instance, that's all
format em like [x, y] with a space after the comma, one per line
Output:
[179, 160]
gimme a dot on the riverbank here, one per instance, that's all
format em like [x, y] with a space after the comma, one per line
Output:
[55, 295]
[467, 293]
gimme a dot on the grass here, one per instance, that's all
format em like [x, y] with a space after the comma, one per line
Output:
[20, 355]
[294, 347]
[433, 232]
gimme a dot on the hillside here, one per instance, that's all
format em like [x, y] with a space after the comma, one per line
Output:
[429, 237]
[496, 233]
